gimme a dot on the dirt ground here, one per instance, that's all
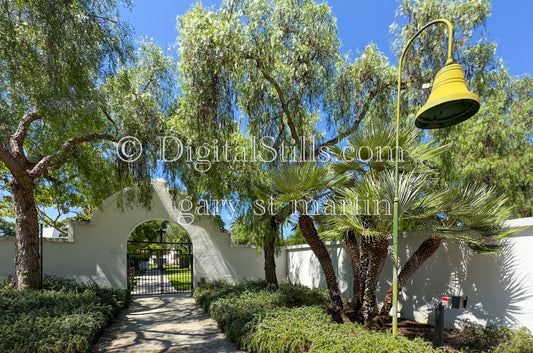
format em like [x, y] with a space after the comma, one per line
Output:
[411, 329]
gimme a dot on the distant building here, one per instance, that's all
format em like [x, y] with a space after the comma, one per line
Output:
[51, 232]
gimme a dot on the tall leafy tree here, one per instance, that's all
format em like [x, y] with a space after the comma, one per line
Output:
[267, 69]
[494, 148]
[57, 119]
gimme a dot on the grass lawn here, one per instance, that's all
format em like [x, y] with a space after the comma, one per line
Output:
[179, 277]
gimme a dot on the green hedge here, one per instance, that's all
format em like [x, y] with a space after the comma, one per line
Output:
[63, 317]
[309, 329]
[520, 342]
[495, 339]
[290, 319]
[212, 291]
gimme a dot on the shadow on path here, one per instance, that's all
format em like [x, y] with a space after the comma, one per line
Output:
[167, 323]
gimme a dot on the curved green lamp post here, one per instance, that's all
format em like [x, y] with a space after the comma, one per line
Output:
[450, 103]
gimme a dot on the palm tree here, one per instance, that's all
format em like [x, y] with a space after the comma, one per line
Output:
[366, 163]
[465, 213]
[471, 214]
[300, 188]
[362, 190]
[372, 223]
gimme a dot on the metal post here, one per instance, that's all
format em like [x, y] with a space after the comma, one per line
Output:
[438, 328]
[190, 263]
[161, 275]
[41, 254]
[396, 174]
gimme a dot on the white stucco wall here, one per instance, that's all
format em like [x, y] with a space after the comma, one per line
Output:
[499, 286]
[96, 250]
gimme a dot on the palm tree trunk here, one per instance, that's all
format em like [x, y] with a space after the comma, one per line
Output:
[269, 248]
[319, 249]
[27, 267]
[364, 260]
[377, 255]
[353, 251]
[424, 252]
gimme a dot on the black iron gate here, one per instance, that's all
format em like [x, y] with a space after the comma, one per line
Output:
[159, 267]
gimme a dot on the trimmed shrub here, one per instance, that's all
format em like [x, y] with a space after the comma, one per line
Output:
[294, 319]
[234, 311]
[286, 329]
[212, 291]
[480, 338]
[291, 319]
[64, 317]
[309, 329]
[495, 339]
[520, 342]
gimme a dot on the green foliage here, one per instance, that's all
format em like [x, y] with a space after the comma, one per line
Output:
[233, 312]
[145, 232]
[521, 341]
[7, 228]
[64, 317]
[480, 338]
[484, 149]
[149, 232]
[309, 329]
[296, 238]
[175, 233]
[290, 319]
[286, 329]
[214, 290]
[53, 57]
[276, 63]
[496, 148]
[494, 339]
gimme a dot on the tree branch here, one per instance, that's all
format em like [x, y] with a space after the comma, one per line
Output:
[22, 129]
[355, 125]
[108, 116]
[58, 159]
[11, 163]
[281, 96]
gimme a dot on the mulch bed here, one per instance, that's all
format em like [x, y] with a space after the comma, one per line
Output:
[411, 329]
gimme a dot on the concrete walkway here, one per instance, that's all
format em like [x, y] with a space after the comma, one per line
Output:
[167, 323]
[153, 281]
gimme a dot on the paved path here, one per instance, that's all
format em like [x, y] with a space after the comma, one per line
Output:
[167, 323]
[153, 282]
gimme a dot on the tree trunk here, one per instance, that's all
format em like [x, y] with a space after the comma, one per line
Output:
[319, 249]
[424, 252]
[378, 249]
[27, 267]
[353, 251]
[269, 248]
[364, 259]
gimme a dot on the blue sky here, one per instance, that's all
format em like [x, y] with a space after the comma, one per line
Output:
[359, 23]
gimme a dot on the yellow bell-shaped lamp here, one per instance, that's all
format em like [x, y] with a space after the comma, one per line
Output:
[450, 101]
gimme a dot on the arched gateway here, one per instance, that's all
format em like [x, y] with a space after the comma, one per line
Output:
[96, 250]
